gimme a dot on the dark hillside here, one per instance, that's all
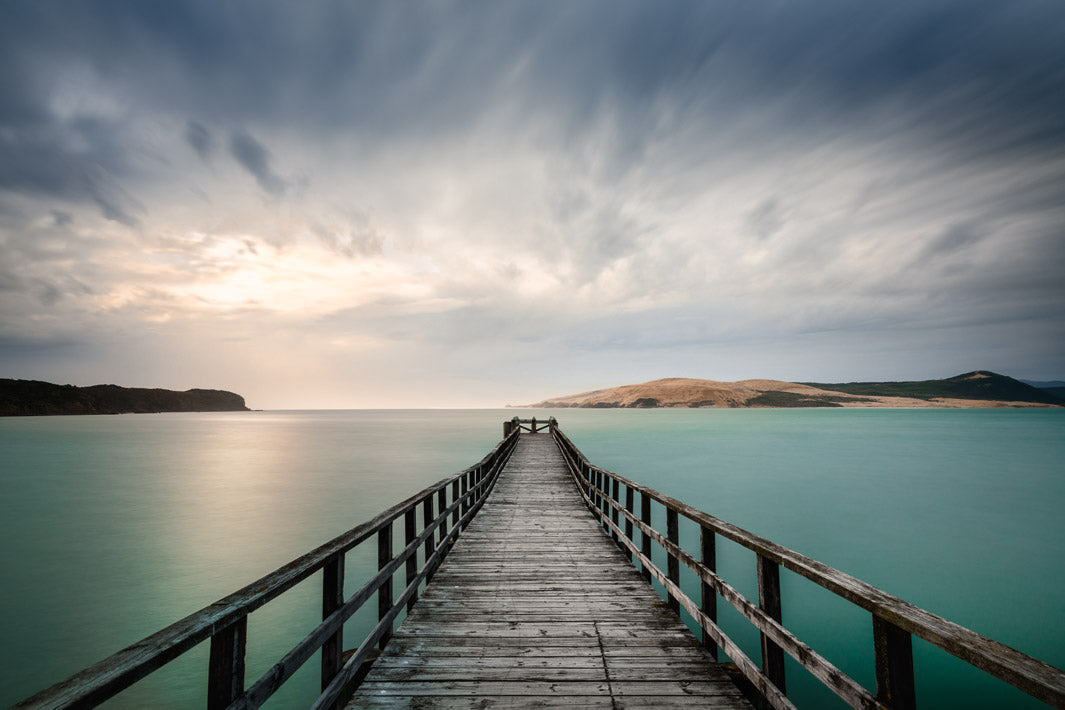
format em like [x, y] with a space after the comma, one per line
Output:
[31, 397]
[1058, 392]
[972, 385]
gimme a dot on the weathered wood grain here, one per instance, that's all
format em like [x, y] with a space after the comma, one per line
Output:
[1031, 675]
[536, 607]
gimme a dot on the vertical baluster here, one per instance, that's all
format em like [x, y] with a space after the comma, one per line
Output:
[332, 599]
[454, 497]
[672, 563]
[645, 539]
[441, 502]
[893, 649]
[769, 602]
[384, 594]
[427, 520]
[593, 478]
[615, 497]
[410, 532]
[593, 485]
[465, 479]
[603, 484]
[628, 521]
[708, 597]
[225, 676]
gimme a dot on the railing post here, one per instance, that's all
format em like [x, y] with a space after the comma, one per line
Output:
[532, 423]
[409, 535]
[427, 520]
[441, 502]
[769, 602]
[593, 482]
[332, 599]
[384, 594]
[672, 563]
[225, 675]
[615, 496]
[628, 521]
[454, 497]
[645, 539]
[708, 597]
[590, 483]
[465, 479]
[893, 649]
[601, 483]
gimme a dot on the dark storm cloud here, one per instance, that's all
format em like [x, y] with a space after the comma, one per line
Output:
[255, 158]
[637, 111]
[964, 70]
[200, 139]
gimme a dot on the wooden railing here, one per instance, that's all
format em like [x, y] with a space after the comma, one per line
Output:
[225, 621]
[613, 500]
[531, 426]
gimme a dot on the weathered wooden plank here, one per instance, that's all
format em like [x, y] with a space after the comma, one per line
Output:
[476, 702]
[573, 689]
[1031, 675]
[535, 604]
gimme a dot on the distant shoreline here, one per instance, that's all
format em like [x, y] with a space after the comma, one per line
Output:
[973, 390]
[28, 398]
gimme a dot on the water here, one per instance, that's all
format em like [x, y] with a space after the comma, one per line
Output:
[113, 527]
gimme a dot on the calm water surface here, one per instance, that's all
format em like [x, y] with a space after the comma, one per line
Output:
[113, 527]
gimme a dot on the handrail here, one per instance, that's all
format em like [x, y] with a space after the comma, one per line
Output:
[532, 426]
[225, 621]
[894, 620]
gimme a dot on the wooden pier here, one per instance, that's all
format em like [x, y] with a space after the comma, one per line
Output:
[526, 583]
[536, 607]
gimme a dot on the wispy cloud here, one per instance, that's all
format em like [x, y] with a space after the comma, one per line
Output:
[631, 189]
[255, 158]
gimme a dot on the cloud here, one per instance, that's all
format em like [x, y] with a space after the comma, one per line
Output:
[613, 184]
[255, 158]
[200, 139]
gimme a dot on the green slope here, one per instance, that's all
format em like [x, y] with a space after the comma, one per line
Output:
[31, 397]
[980, 384]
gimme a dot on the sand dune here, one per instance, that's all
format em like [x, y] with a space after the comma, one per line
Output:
[689, 393]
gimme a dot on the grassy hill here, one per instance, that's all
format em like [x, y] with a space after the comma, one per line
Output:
[973, 389]
[980, 384]
[32, 397]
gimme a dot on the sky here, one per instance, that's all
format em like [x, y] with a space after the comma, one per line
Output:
[460, 204]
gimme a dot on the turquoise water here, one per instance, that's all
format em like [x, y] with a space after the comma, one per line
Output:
[113, 527]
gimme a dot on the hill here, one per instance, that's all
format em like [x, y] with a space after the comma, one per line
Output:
[978, 385]
[31, 397]
[974, 389]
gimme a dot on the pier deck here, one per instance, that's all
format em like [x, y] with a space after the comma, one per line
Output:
[536, 607]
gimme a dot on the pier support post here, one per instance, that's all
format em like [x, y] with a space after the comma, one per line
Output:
[332, 599]
[225, 679]
[430, 541]
[384, 593]
[628, 521]
[645, 539]
[410, 532]
[708, 600]
[769, 602]
[615, 503]
[893, 649]
[672, 563]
